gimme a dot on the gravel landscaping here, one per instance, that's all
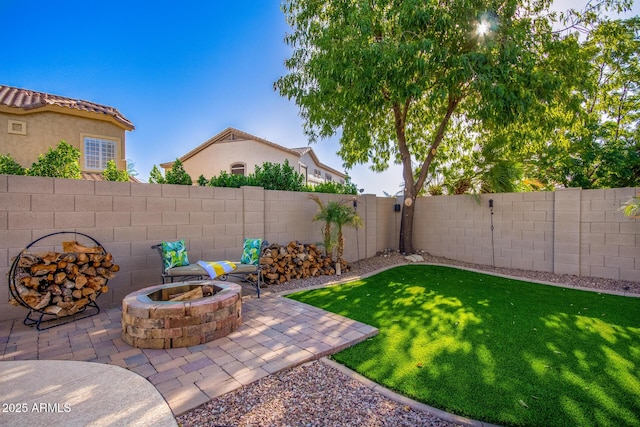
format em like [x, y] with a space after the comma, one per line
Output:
[315, 394]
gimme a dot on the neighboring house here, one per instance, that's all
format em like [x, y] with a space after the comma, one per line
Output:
[238, 152]
[32, 122]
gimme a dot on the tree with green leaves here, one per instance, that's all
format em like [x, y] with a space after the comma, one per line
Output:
[177, 174]
[9, 166]
[599, 146]
[60, 162]
[392, 76]
[156, 177]
[131, 168]
[111, 173]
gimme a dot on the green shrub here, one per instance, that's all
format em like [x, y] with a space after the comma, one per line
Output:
[111, 173]
[333, 188]
[61, 162]
[177, 175]
[225, 179]
[202, 181]
[156, 177]
[9, 166]
[276, 176]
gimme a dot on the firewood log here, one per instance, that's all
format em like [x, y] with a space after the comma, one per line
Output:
[82, 259]
[192, 294]
[63, 283]
[43, 269]
[80, 281]
[54, 289]
[76, 247]
[55, 310]
[88, 270]
[44, 301]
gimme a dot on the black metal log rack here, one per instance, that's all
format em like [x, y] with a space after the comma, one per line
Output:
[39, 317]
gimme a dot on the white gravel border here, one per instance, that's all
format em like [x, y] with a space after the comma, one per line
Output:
[403, 400]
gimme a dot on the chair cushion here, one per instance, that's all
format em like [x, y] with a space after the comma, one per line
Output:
[174, 254]
[186, 270]
[251, 251]
[246, 268]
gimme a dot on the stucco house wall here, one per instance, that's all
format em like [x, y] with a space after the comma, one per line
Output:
[325, 174]
[44, 130]
[32, 122]
[220, 156]
[234, 147]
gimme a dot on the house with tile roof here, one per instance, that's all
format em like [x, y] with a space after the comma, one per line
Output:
[31, 122]
[238, 152]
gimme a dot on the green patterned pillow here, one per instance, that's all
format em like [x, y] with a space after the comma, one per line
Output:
[251, 251]
[174, 254]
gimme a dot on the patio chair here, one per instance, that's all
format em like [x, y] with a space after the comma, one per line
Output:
[175, 263]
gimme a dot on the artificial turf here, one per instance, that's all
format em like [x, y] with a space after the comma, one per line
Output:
[495, 349]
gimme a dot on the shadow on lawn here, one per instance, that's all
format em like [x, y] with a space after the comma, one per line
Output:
[495, 349]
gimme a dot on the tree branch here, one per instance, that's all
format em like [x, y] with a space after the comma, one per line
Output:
[451, 106]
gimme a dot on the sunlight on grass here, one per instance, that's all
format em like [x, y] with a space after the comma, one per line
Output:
[495, 349]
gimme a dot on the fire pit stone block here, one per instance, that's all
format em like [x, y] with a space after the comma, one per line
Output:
[151, 323]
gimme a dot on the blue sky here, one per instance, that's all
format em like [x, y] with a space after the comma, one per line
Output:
[180, 71]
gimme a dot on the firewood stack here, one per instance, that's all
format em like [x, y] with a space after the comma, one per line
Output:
[61, 284]
[281, 264]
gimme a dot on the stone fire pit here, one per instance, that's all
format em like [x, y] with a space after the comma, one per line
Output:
[149, 320]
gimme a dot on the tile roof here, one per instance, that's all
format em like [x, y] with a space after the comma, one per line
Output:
[31, 100]
[301, 150]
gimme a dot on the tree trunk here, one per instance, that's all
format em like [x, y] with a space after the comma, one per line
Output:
[411, 187]
[340, 244]
[406, 224]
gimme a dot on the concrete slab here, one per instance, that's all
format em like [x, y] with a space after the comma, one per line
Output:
[69, 393]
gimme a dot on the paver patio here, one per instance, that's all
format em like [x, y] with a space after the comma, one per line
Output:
[277, 333]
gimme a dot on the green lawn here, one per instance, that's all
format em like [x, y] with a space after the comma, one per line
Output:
[495, 349]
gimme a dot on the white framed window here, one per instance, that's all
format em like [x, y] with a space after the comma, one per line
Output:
[98, 152]
[238, 169]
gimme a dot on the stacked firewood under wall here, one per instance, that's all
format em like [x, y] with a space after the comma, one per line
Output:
[280, 264]
[61, 284]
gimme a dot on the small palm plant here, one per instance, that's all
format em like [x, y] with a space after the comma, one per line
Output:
[344, 215]
[325, 213]
[339, 214]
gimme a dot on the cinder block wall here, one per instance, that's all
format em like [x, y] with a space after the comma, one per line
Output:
[128, 218]
[609, 242]
[568, 231]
